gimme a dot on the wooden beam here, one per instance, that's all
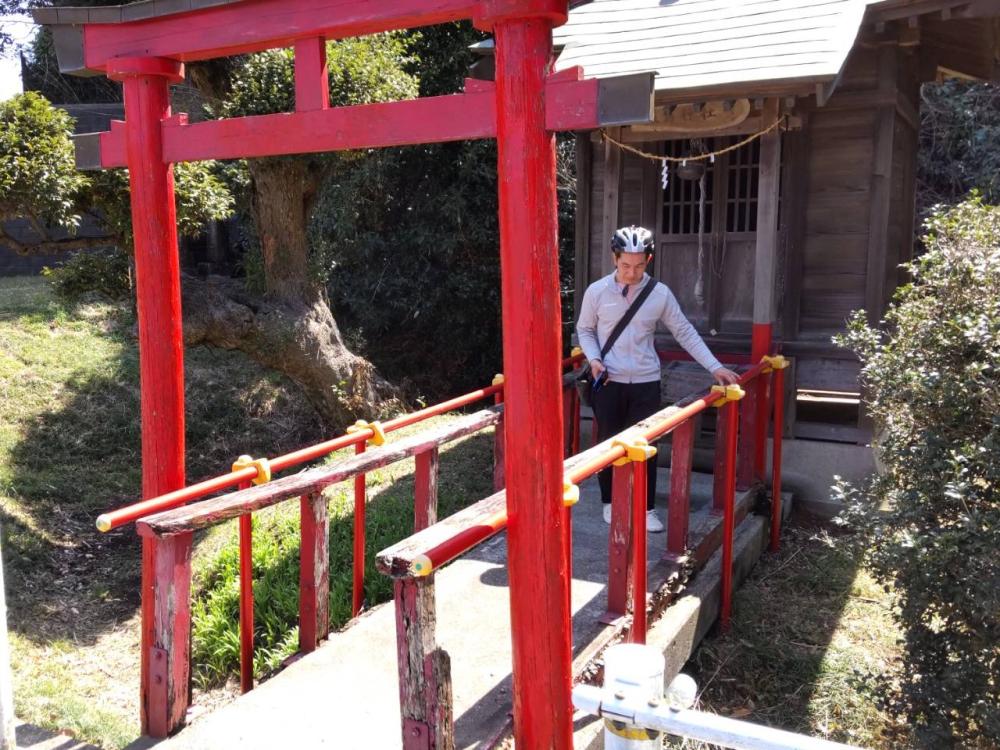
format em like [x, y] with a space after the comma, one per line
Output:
[425, 694]
[584, 176]
[312, 84]
[215, 510]
[611, 210]
[570, 105]
[881, 188]
[314, 572]
[795, 201]
[652, 132]
[825, 90]
[425, 489]
[237, 28]
[765, 257]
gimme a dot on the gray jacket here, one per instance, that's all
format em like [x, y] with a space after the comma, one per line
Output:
[633, 358]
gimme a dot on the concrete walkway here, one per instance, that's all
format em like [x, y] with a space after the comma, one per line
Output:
[345, 695]
[30, 737]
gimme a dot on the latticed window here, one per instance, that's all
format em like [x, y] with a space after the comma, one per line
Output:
[682, 198]
[741, 200]
[683, 202]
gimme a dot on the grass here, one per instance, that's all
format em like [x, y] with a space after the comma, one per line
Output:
[465, 476]
[808, 629]
[69, 450]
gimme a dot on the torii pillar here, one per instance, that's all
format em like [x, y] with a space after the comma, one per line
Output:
[538, 522]
[145, 84]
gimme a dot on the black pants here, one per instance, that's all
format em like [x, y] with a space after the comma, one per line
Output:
[620, 405]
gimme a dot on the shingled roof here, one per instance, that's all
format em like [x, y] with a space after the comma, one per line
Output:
[695, 44]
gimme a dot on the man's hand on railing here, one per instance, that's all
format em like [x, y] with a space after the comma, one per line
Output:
[725, 376]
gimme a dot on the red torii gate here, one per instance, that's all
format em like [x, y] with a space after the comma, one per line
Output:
[145, 46]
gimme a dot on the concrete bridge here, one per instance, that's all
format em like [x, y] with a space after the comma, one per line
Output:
[346, 693]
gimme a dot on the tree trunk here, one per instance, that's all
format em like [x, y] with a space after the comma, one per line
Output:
[290, 329]
[300, 339]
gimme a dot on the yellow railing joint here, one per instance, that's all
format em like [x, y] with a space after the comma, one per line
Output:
[636, 448]
[774, 362]
[262, 465]
[571, 493]
[378, 433]
[421, 566]
[729, 393]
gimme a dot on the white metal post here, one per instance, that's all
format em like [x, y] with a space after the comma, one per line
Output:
[634, 673]
[634, 714]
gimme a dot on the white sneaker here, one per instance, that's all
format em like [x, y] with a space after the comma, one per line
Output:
[653, 524]
[607, 513]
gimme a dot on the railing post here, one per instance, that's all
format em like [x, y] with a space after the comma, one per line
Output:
[765, 385]
[779, 418]
[360, 506]
[619, 536]
[747, 435]
[719, 488]
[637, 633]
[425, 696]
[498, 439]
[166, 693]
[679, 504]
[569, 426]
[575, 445]
[246, 599]
[425, 489]
[730, 414]
[314, 571]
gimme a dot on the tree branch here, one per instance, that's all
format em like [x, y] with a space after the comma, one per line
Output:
[47, 246]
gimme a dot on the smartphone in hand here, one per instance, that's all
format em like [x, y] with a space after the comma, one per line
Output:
[599, 381]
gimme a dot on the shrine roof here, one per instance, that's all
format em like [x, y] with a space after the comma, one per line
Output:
[695, 44]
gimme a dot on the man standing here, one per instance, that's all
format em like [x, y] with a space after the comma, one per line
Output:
[631, 388]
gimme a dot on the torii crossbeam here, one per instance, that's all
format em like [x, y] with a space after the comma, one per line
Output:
[145, 45]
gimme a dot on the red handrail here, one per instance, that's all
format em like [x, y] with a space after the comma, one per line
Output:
[129, 513]
[465, 539]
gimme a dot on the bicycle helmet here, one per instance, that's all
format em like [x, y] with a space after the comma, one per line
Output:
[632, 239]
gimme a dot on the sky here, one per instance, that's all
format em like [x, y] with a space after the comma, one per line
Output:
[10, 65]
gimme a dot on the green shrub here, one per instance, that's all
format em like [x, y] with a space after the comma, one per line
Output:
[932, 515]
[107, 272]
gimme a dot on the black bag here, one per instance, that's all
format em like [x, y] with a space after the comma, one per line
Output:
[585, 381]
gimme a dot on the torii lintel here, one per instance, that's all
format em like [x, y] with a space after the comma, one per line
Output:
[571, 103]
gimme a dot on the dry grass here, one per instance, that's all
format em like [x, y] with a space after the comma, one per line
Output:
[808, 627]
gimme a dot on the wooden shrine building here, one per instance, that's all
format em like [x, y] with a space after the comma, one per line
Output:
[847, 75]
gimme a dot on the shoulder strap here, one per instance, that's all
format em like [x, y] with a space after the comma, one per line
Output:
[627, 317]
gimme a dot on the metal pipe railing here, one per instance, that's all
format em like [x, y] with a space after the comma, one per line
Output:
[412, 563]
[127, 514]
[465, 539]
